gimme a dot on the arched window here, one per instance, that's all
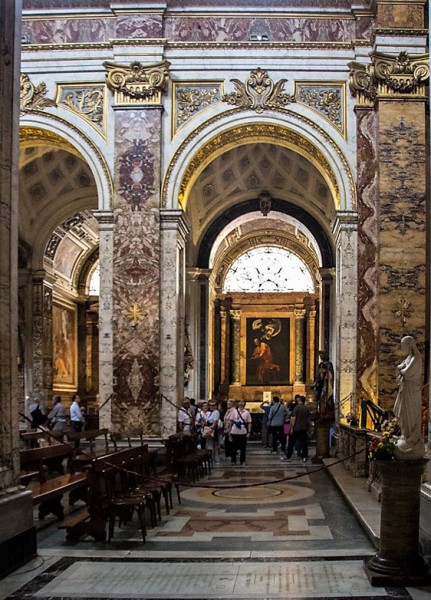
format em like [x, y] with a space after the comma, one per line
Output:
[94, 281]
[268, 269]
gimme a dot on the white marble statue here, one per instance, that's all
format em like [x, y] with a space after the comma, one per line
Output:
[408, 405]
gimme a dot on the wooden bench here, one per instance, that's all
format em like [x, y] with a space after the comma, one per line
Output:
[38, 467]
[48, 494]
[45, 460]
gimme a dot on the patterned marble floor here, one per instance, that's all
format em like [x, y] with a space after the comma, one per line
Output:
[265, 531]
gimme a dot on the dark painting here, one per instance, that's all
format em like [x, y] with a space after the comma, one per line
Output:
[268, 349]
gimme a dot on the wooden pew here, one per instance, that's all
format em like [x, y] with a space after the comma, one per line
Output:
[38, 467]
[83, 456]
[45, 460]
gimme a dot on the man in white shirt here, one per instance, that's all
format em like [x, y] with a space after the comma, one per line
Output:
[76, 418]
[240, 432]
[185, 417]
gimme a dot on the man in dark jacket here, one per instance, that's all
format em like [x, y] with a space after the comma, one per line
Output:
[299, 423]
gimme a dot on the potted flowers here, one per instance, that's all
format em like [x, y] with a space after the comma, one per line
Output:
[383, 446]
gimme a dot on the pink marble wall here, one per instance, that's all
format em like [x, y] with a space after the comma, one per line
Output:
[139, 26]
[368, 230]
[136, 269]
[213, 29]
[68, 31]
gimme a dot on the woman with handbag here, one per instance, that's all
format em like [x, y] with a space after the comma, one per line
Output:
[210, 431]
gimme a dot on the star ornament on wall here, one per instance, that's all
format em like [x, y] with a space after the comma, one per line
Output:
[403, 310]
[135, 314]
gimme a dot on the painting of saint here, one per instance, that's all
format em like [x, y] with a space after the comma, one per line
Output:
[64, 347]
[267, 351]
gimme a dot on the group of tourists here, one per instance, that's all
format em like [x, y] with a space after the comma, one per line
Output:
[57, 418]
[224, 426]
[285, 427]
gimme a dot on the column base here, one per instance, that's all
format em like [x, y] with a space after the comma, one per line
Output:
[18, 542]
[322, 440]
[382, 572]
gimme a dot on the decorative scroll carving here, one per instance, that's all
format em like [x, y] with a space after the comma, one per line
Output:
[88, 101]
[191, 99]
[325, 99]
[361, 83]
[137, 84]
[259, 92]
[403, 74]
[31, 97]
[389, 76]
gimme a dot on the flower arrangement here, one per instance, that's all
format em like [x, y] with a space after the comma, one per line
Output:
[382, 448]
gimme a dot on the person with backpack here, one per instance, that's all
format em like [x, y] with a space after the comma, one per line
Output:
[277, 417]
[240, 430]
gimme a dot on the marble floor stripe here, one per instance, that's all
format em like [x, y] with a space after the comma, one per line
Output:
[201, 580]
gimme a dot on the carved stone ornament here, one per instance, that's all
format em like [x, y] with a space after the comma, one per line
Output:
[259, 92]
[136, 84]
[31, 97]
[389, 76]
[265, 203]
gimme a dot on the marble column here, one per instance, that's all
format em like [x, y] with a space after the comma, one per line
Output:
[311, 346]
[345, 233]
[17, 532]
[225, 350]
[106, 251]
[42, 336]
[235, 316]
[299, 345]
[138, 93]
[174, 230]
[327, 297]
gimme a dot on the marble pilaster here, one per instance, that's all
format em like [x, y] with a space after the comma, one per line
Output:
[106, 249]
[42, 333]
[235, 316]
[368, 232]
[311, 349]
[345, 232]
[299, 345]
[174, 230]
[325, 317]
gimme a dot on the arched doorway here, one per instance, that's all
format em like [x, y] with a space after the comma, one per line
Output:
[58, 243]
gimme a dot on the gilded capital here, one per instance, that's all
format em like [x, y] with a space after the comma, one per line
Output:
[136, 84]
[361, 84]
[389, 76]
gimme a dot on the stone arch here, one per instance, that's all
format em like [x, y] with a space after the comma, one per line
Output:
[38, 128]
[289, 129]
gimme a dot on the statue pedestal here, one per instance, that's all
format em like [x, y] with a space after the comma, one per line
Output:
[398, 561]
[322, 429]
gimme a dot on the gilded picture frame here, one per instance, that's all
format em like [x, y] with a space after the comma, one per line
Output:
[64, 342]
[268, 351]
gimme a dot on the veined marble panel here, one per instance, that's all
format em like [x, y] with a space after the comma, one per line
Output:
[67, 30]
[218, 29]
[136, 264]
[368, 230]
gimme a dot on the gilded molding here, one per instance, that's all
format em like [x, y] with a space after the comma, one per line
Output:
[86, 100]
[258, 93]
[327, 99]
[388, 76]
[26, 137]
[191, 98]
[275, 134]
[136, 84]
[31, 97]
[308, 122]
[35, 136]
